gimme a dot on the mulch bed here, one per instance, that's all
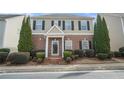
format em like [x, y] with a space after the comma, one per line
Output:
[84, 60]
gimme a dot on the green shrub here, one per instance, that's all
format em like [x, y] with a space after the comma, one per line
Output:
[117, 54]
[67, 54]
[89, 53]
[26, 54]
[5, 50]
[121, 49]
[33, 52]
[40, 55]
[17, 58]
[80, 53]
[34, 59]
[102, 56]
[76, 56]
[68, 59]
[122, 54]
[3, 56]
[110, 55]
[39, 60]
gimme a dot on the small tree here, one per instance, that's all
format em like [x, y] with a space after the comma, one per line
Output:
[101, 37]
[25, 40]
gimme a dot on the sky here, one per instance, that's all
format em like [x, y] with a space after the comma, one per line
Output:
[80, 14]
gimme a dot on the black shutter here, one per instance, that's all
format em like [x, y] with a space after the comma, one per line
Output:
[90, 45]
[59, 23]
[52, 23]
[79, 25]
[88, 25]
[80, 44]
[63, 25]
[43, 25]
[72, 25]
[34, 24]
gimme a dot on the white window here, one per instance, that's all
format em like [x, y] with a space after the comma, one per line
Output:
[68, 25]
[56, 22]
[68, 44]
[38, 24]
[83, 25]
[85, 44]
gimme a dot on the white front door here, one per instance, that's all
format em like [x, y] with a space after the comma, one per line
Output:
[55, 48]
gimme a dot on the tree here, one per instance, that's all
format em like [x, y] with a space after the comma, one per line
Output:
[101, 37]
[107, 39]
[25, 40]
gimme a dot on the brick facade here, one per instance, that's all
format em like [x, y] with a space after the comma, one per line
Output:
[39, 42]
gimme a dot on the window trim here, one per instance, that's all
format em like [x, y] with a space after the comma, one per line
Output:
[68, 45]
[86, 41]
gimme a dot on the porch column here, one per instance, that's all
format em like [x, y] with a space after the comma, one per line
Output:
[46, 50]
[62, 46]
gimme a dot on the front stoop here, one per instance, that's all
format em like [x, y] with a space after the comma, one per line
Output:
[53, 60]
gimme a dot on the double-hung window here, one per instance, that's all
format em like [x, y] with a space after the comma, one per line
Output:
[83, 25]
[68, 44]
[68, 25]
[38, 25]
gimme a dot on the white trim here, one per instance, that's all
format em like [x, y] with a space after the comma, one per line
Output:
[65, 34]
[52, 48]
[62, 46]
[122, 23]
[48, 32]
[46, 50]
[71, 44]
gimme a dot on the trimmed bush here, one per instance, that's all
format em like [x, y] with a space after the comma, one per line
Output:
[33, 52]
[3, 56]
[117, 54]
[34, 59]
[39, 60]
[40, 55]
[5, 50]
[110, 55]
[102, 56]
[122, 54]
[121, 49]
[80, 53]
[68, 59]
[89, 53]
[17, 58]
[67, 54]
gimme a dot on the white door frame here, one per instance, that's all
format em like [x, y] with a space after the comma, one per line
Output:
[57, 54]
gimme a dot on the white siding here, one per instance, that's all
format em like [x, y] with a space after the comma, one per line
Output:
[115, 31]
[2, 29]
[12, 32]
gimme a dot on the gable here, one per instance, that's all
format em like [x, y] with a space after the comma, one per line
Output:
[55, 30]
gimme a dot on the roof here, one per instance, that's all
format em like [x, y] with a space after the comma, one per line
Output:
[113, 14]
[5, 16]
[63, 15]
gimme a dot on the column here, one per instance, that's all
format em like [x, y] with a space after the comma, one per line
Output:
[62, 45]
[46, 50]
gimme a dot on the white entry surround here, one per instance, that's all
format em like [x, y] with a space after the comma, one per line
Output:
[59, 34]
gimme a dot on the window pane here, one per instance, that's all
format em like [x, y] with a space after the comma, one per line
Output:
[38, 24]
[68, 44]
[84, 25]
[68, 24]
[85, 44]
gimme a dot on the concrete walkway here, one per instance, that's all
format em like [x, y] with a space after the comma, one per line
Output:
[54, 68]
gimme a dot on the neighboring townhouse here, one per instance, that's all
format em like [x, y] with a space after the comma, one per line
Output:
[58, 32]
[115, 23]
[10, 26]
